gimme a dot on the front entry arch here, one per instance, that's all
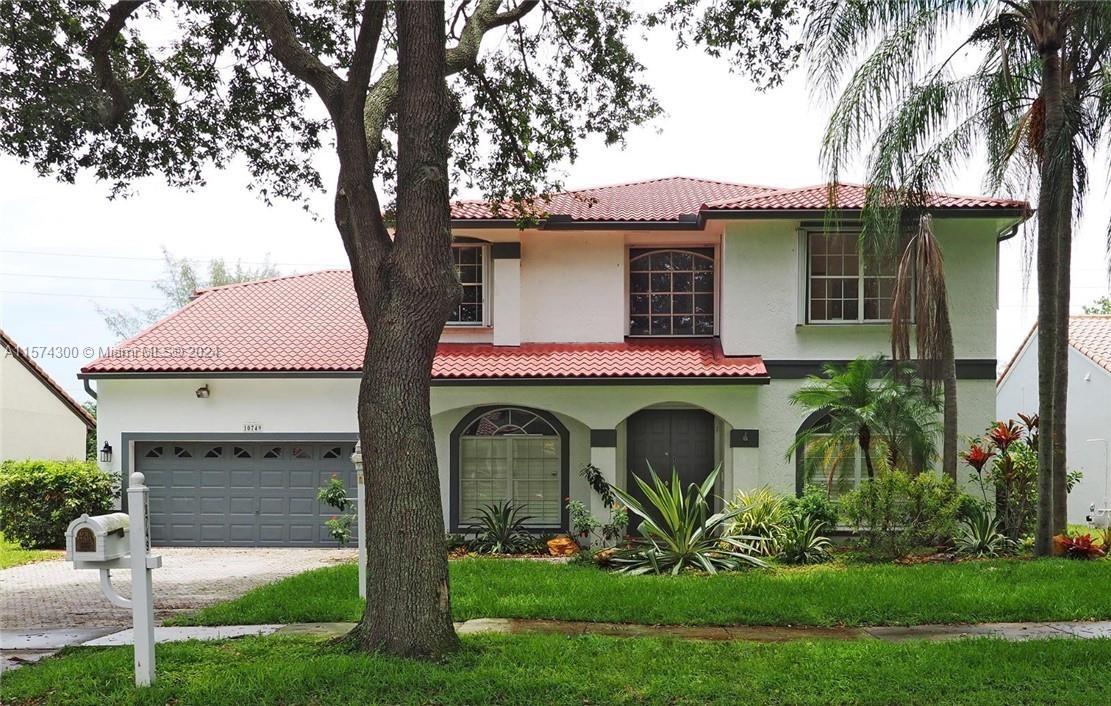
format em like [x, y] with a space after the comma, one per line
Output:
[682, 439]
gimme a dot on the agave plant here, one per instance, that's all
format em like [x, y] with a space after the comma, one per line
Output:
[979, 536]
[500, 529]
[679, 532]
[803, 541]
[760, 513]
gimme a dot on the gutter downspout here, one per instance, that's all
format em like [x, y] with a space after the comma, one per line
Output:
[89, 388]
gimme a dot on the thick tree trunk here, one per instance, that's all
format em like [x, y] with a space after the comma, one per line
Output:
[949, 413]
[1061, 350]
[408, 609]
[1048, 238]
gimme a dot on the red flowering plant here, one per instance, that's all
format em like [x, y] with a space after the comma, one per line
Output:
[1080, 546]
[1011, 450]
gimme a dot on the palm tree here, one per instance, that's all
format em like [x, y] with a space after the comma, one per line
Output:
[1037, 101]
[869, 409]
[921, 298]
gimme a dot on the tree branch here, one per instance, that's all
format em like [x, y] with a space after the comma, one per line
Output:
[464, 55]
[366, 46]
[294, 57]
[99, 49]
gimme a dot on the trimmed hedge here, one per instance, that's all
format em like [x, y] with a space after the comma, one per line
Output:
[39, 498]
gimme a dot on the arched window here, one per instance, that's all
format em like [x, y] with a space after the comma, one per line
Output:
[836, 467]
[509, 453]
[671, 292]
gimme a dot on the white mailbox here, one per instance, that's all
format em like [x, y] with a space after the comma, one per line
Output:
[98, 538]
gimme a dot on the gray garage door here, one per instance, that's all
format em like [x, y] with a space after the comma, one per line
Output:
[241, 494]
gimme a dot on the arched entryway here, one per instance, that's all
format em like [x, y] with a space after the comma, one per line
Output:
[666, 439]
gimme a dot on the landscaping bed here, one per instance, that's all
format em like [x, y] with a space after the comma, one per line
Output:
[823, 595]
[553, 669]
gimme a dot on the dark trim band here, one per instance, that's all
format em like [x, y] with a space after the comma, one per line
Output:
[603, 438]
[967, 369]
[744, 438]
[505, 251]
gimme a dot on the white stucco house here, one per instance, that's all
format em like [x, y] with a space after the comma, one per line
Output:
[1088, 436]
[664, 321]
[38, 419]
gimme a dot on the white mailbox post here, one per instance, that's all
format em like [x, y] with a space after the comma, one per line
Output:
[360, 500]
[122, 541]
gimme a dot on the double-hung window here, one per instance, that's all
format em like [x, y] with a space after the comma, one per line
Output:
[472, 268]
[843, 286]
[671, 292]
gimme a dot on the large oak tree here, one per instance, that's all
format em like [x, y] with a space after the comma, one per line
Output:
[412, 104]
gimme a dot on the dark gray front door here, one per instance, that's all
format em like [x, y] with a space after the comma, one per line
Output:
[682, 439]
[241, 494]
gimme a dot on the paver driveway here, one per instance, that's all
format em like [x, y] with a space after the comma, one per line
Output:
[51, 594]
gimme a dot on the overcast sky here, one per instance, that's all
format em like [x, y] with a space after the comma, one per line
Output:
[64, 249]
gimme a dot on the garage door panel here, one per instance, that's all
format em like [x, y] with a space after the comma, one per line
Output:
[242, 493]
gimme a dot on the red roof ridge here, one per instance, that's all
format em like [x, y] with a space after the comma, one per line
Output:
[264, 280]
[657, 180]
[51, 384]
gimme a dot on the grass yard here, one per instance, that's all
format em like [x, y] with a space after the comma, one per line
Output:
[552, 669]
[881, 594]
[12, 555]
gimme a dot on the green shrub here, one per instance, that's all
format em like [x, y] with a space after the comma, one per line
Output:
[38, 499]
[895, 513]
[804, 541]
[816, 504]
[762, 514]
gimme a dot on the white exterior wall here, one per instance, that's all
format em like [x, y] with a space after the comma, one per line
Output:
[1089, 417]
[763, 294]
[34, 423]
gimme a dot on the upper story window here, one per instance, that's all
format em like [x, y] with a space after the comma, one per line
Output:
[842, 285]
[671, 292]
[471, 267]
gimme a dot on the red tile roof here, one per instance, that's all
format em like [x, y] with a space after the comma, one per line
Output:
[11, 348]
[670, 198]
[654, 200]
[633, 358]
[1089, 334]
[850, 197]
[311, 322]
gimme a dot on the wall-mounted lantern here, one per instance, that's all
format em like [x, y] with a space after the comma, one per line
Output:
[106, 453]
[203, 392]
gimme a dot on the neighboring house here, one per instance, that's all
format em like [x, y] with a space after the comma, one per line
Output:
[1088, 435]
[38, 419]
[664, 321]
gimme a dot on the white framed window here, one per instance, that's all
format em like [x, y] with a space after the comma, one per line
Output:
[843, 286]
[672, 291]
[511, 454]
[472, 267]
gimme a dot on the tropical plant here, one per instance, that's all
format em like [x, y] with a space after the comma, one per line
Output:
[679, 532]
[1036, 103]
[895, 513]
[979, 535]
[1080, 546]
[803, 541]
[762, 514]
[816, 504]
[582, 522]
[500, 528]
[868, 409]
[334, 494]
[1011, 450]
[1101, 307]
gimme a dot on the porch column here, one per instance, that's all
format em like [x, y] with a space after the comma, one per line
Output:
[507, 293]
[603, 455]
[745, 445]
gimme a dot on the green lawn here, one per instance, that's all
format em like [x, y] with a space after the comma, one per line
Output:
[553, 669]
[12, 555]
[1012, 590]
